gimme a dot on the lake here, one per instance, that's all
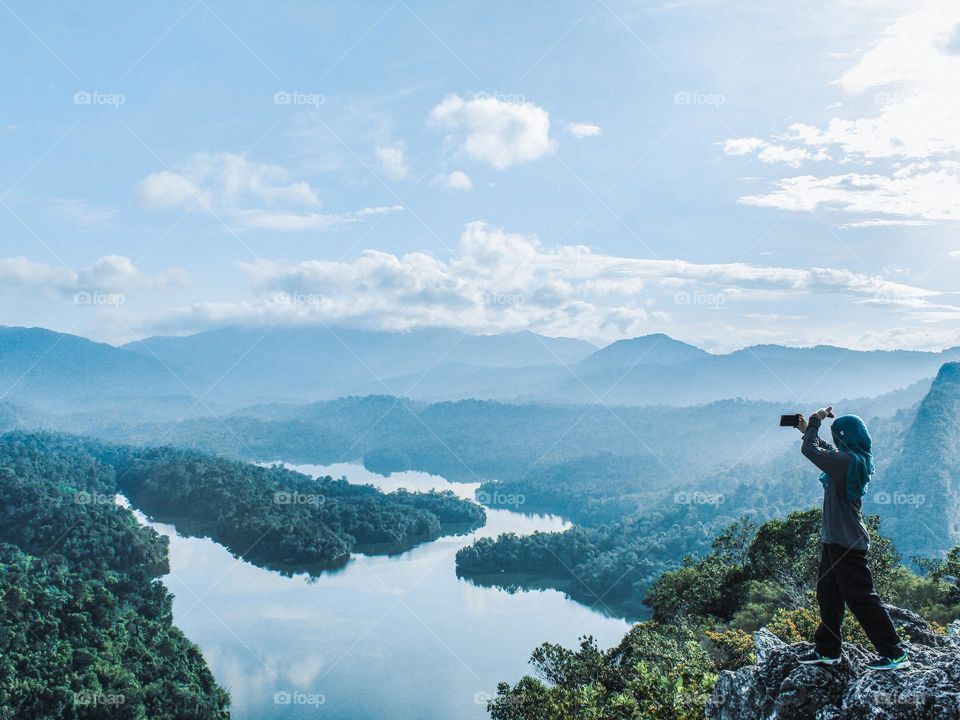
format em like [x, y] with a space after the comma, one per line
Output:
[396, 637]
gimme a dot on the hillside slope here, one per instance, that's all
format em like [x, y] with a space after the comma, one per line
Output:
[921, 490]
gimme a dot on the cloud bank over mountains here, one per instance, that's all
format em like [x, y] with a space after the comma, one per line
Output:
[365, 218]
[497, 281]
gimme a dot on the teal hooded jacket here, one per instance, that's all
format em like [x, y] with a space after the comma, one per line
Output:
[850, 435]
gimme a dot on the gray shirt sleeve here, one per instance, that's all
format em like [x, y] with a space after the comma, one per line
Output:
[822, 454]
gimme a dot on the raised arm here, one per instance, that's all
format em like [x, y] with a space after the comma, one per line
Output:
[822, 454]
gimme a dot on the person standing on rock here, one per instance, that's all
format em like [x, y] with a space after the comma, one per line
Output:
[843, 577]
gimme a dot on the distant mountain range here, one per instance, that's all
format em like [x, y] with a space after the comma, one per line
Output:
[45, 367]
[304, 364]
[268, 378]
[761, 372]
[235, 367]
[222, 370]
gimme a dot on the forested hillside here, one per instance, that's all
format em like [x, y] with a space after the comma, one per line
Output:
[922, 495]
[87, 631]
[473, 440]
[269, 515]
[704, 613]
[611, 565]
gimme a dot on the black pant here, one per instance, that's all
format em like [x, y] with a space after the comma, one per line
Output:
[845, 578]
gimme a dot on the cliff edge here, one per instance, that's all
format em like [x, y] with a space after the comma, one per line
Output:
[779, 688]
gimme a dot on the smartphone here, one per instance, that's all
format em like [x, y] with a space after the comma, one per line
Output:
[790, 420]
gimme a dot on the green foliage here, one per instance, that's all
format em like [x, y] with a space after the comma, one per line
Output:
[704, 615]
[760, 601]
[707, 588]
[787, 551]
[87, 629]
[794, 625]
[657, 671]
[88, 645]
[731, 648]
[779, 569]
[948, 571]
[276, 517]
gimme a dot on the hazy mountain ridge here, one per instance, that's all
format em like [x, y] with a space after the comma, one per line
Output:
[655, 349]
[312, 363]
[762, 372]
[41, 365]
[224, 370]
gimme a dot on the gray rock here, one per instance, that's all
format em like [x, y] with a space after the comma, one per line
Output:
[779, 688]
[914, 627]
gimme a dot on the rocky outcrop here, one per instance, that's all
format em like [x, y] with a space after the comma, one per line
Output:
[779, 688]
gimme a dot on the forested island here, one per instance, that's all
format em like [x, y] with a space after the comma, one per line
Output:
[89, 630]
[279, 518]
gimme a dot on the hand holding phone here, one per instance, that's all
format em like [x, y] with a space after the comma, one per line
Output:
[795, 420]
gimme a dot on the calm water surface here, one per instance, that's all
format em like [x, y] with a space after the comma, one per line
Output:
[399, 638]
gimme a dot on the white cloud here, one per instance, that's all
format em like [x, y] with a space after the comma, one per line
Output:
[83, 212]
[243, 193]
[168, 189]
[22, 274]
[281, 220]
[499, 132]
[225, 180]
[456, 180]
[885, 222]
[743, 146]
[907, 141]
[499, 281]
[912, 73]
[911, 192]
[111, 273]
[393, 163]
[583, 129]
[770, 153]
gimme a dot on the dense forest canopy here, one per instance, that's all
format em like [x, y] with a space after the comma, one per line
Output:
[704, 614]
[87, 631]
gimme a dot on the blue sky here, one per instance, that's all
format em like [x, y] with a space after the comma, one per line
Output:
[727, 172]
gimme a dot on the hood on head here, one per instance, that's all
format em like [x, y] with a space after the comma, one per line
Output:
[850, 433]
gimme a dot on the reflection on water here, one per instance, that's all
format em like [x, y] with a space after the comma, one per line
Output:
[397, 637]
